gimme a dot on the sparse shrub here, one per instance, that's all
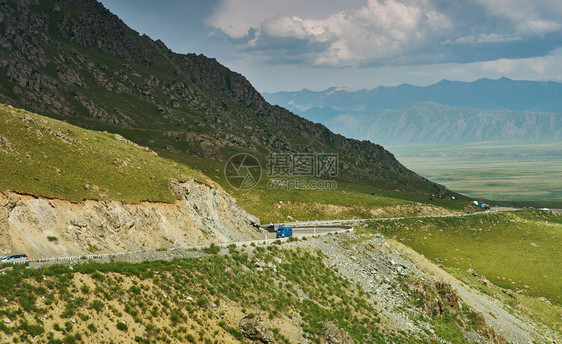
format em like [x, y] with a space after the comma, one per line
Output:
[236, 333]
[202, 302]
[97, 304]
[212, 249]
[55, 341]
[121, 326]
[98, 276]
[72, 339]
[31, 329]
[52, 238]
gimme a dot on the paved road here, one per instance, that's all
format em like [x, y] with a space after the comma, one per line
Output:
[305, 230]
[298, 231]
[300, 224]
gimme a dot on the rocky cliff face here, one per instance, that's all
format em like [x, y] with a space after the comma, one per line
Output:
[53, 228]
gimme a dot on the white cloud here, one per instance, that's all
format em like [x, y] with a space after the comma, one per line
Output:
[465, 39]
[236, 17]
[535, 68]
[500, 67]
[538, 27]
[530, 17]
[486, 38]
[376, 30]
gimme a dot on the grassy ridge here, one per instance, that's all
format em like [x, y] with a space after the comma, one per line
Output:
[47, 157]
[512, 250]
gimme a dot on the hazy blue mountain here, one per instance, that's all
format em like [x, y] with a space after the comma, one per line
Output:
[501, 94]
[436, 123]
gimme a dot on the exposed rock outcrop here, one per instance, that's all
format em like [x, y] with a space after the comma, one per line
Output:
[253, 328]
[5, 144]
[334, 335]
[201, 215]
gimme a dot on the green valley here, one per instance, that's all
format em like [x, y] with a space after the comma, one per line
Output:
[521, 173]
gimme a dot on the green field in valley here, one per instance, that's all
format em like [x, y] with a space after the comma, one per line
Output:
[520, 171]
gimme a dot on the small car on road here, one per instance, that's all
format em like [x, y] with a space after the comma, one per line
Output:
[14, 258]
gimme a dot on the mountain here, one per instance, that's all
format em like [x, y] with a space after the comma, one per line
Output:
[75, 61]
[501, 94]
[431, 123]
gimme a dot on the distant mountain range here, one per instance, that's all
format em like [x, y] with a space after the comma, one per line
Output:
[448, 111]
[430, 123]
[501, 94]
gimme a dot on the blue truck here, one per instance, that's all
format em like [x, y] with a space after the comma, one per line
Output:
[284, 232]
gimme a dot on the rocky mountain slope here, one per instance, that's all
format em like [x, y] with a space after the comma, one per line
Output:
[76, 61]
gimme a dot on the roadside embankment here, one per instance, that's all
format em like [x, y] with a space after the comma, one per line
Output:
[43, 227]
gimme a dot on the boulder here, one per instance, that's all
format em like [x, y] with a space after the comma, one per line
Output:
[510, 293]
[253, 328]
[331, 334]
[4, 143]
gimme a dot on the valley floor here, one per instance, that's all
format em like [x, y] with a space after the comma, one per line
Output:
[523, 171]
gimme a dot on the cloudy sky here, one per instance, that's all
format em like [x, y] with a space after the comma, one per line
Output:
[287, 45]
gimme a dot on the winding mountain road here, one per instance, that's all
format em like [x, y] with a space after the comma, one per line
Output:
[300, 229]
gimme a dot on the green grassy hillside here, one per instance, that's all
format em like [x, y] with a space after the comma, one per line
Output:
[188, 300]
[347, 200]
[46, 157]
[51, 158]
